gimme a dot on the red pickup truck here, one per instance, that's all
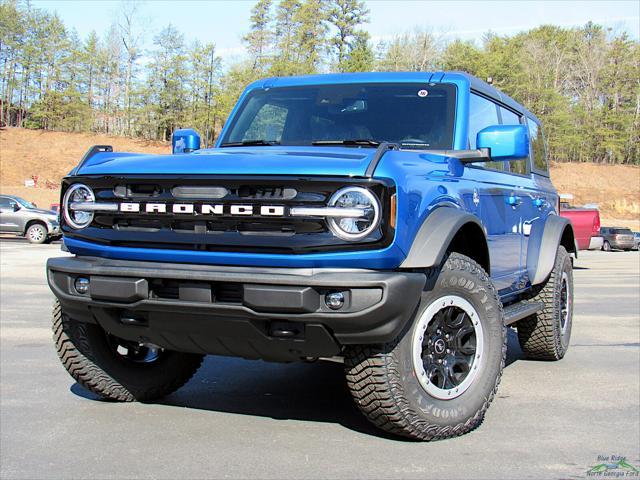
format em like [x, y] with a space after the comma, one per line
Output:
[586, 224]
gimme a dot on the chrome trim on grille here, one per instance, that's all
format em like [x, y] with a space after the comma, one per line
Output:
[335, 212]
[93, 207]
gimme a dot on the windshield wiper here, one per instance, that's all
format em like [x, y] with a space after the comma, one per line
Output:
[249, 143]
[357, 141]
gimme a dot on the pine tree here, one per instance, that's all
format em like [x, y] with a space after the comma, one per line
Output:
[259, 39]
[346, 16]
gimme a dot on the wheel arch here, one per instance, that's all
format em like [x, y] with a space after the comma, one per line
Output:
[447, 230]
[544, 240]
[33, 222]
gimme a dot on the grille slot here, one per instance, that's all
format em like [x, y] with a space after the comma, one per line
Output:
[228, 292]
[222, 292]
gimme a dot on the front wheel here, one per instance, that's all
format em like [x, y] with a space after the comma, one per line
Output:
[117, 369]
[606, 246]
[36, 233]
[437, 379]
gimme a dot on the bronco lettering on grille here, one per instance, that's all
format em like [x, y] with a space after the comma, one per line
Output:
[204, 209]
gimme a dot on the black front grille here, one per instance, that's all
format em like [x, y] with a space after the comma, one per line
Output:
[251, 233]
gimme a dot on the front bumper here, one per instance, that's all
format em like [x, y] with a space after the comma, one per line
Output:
[252, 312]
[53, 229]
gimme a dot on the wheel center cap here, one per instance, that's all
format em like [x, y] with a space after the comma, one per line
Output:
[439, 346]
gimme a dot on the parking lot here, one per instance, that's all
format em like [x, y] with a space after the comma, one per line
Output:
[244, 419]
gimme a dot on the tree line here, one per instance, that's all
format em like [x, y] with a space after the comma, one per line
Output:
[582, 82]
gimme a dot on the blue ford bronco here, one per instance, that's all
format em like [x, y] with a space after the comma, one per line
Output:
[396, 222]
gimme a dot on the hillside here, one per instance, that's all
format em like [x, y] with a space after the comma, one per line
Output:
[50, 156]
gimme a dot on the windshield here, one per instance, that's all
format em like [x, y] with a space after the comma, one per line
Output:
[24, 203]
[415, 115]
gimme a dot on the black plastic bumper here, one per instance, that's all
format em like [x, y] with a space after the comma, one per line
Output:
[252, 312]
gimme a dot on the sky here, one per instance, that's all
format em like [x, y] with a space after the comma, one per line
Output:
[224, 22]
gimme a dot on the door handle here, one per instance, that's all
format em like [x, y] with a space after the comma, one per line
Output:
[514, 200]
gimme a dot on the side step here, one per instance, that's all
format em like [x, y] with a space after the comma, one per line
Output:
[520, 310]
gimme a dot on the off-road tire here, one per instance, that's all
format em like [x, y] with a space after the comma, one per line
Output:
[84, 351]
[37, 233]
[541, 335]
[382, 379]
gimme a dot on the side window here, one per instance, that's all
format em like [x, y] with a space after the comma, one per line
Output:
[6, 203]
[268, 124]
[538, 148]
[511, 118]
[482, 113]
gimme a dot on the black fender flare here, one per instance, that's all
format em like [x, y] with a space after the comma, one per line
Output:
[430, 244]
[544, 240]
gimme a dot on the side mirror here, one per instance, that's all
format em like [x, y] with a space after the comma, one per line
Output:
[16, 207]
[185, 141]
[505, 142]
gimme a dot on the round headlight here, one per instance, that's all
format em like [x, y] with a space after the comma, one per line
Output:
[355, 228]
[77, 218]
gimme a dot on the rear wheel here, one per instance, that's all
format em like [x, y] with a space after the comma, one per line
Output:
[546, 335]
[437, 379]
[37, 233]
[118, 369]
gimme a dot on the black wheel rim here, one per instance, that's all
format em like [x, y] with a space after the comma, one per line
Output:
[565, 302]
[448, 347]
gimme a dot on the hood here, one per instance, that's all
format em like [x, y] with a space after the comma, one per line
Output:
[264, 160]
[42, 211]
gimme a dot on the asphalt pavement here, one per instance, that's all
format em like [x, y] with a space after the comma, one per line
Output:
[250, 419]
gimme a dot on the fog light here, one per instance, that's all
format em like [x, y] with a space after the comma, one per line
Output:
[82, 285]
[334, 300]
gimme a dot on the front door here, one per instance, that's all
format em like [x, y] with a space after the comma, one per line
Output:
[8, 215]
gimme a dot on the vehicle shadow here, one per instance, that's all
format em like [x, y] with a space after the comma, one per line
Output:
[309, 392]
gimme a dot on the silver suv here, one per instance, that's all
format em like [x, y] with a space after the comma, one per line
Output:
[19, 217]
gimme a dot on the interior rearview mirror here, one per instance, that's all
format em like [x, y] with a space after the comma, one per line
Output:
[505, 142]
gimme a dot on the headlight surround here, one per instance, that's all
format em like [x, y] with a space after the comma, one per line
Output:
[76, 218]
[356, 228]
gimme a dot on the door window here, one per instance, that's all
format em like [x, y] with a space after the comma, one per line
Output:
[483, 113]
[6, 203]
[538, 148]
[511, 118]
